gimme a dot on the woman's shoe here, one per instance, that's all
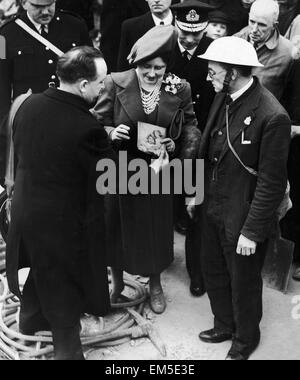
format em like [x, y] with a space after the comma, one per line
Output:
[158, 302]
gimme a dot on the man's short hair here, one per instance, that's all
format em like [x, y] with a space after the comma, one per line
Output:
[78, 64]
[244, 71]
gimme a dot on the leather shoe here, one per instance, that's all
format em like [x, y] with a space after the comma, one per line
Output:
[158, 302]
[196, 290]
[236, 356]
[296, 275]
[215, 336]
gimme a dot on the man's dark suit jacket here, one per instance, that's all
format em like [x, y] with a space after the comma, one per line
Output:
[114, 12]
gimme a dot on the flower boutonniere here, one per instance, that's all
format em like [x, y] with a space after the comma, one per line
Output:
[172, 84]
[248, 121]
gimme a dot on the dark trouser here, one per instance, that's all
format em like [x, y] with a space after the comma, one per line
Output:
[193, 253]
[67, 344]
[234, 285]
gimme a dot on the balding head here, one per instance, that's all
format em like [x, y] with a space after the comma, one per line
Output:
[82, 71]
[263, 19]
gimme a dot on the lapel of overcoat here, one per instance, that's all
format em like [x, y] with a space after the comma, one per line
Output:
[245, 108]
[213, 114]
[128, 93]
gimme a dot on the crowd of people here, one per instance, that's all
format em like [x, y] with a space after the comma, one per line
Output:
[216, 80]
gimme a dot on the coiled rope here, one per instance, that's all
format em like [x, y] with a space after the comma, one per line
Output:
[16, 346]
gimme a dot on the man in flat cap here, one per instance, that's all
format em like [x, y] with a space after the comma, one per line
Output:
[30, 64]
[133, 29]
[191, 20]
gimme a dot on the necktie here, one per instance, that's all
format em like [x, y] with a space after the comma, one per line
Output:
[43, 32]
[186, 55]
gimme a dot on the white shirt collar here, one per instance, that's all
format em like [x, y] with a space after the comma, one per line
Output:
[168, 20]
[37, 25]
[182, 49]
[239, 93]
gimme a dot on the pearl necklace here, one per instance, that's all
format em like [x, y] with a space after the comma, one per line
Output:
[150, 101]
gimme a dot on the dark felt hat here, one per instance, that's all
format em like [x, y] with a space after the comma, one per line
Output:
[192, 15]
[219, 17]
[160, 40]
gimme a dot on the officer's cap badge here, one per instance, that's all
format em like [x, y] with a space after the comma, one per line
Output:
[192, 16]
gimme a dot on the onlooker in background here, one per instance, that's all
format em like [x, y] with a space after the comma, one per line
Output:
[133, 29]
[237, 10]
[291, 101]
[83, 8]
[191, 20]
[219, 25]
[29, 64]
[274, 51]
[289, 10]
[113, 13]
[8, 8]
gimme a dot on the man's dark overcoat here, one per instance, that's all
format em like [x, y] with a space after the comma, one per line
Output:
[57, 226]
[254, 200]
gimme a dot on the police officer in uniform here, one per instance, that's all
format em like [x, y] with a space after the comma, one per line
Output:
[29, 64]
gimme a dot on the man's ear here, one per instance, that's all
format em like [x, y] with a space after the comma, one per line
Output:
[2, 47]
[234, 74]
[82, 85]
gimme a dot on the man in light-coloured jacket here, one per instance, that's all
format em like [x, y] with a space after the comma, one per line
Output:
[274, 51]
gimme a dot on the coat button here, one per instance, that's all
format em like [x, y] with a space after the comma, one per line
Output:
[58, 18]
[47, 48]
[50, 62]
[216, 159]
[198, 96]
[220, 133]
[19, 52]
[53, 77]
[73, 44]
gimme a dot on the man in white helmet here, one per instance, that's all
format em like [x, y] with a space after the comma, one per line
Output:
[245, 146]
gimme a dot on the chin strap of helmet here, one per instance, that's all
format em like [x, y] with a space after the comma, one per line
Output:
[227, 81]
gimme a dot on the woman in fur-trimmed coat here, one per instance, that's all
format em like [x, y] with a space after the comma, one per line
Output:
[140, 227]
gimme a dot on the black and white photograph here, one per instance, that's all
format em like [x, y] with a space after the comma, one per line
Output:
[149, 183]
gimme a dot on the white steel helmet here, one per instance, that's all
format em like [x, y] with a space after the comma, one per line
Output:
[233, 51]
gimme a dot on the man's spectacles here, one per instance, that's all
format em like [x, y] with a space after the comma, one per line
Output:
[212, 73]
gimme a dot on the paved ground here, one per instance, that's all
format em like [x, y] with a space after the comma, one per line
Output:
[187, 316]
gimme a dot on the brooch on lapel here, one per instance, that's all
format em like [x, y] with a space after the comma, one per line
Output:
[247, 122]
[172, 84]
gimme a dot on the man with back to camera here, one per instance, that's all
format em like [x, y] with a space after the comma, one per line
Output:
[57, 226]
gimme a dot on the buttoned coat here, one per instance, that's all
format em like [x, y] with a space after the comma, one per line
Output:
[57, 227]
[140, 227]
[277, 57]
[247, 204]
[195, 72]
[28, 64]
